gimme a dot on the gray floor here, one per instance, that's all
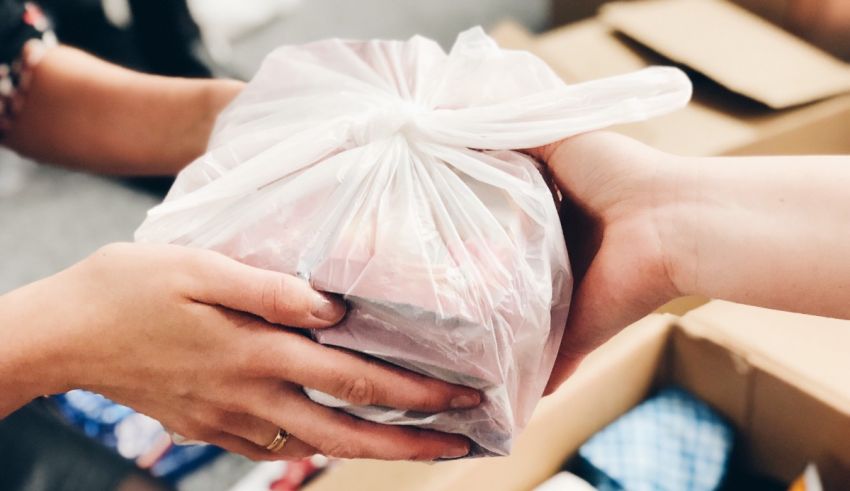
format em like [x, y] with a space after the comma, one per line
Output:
[51, 218]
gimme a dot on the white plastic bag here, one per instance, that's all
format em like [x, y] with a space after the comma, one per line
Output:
[385, 171]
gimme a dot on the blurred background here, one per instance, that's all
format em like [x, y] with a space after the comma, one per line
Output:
[51, 218]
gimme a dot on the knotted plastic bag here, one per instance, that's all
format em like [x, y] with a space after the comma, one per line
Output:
[387, 172]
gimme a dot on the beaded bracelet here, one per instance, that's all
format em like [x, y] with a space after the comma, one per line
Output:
[15, 76]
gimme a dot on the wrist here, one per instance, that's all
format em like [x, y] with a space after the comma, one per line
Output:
[32, 361]
[677, 218]
[203, 101]
[217, 95]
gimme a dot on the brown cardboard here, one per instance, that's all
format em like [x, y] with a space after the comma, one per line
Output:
[569, 11]
[513, 35]
[734, 47]
[776, 11]
[587, 50]
[717, 122]
[788, 426]
[605, 386]
[789, 407]
[792, 378]
[552, 435]
[819, 22]
[590, 49]
[819, 128]
[680, 306]
[786, 414]
[713, 373]
[783, 342]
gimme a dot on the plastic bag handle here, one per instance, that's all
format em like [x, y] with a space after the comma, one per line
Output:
[552, 115]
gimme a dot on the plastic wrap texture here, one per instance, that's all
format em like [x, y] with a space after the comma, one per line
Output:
[387, 171]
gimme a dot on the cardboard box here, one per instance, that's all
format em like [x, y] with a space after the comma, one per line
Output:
[568, 11]
[821, 22]
[780, 378]
[758, 89]
[563, 12]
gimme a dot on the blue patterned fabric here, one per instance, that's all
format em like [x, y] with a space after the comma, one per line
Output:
[129, 433]
[670, 442]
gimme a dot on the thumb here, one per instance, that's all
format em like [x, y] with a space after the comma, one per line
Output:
[575, 344]
[276, 297]
[616, 291]
[598, 311]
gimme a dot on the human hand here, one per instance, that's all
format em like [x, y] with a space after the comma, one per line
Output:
[196, 341]
[85, 113]
[644, 227]
[616, 193]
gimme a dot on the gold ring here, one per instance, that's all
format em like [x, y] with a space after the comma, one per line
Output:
[279, 441]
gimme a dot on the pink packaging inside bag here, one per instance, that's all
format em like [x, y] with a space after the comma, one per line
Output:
[388, 172]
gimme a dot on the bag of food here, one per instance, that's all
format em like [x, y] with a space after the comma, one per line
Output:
[387, 172]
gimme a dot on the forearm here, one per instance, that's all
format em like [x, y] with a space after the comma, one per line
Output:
[85, 113]
[768, 231]
[29, 362]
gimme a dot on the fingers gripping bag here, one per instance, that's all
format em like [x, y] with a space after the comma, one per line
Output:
[388, 172]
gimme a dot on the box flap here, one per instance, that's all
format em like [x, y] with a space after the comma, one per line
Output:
[588, 50]
[591, 49]
[776, 11]
[569, 11]
[781, 423]
[819, 128]
[808, 351]
[682, 305]
[790, 427]
[734, 47]
[510, 34]
[711, 124]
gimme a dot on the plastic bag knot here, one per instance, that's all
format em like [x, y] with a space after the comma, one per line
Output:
[398, 118]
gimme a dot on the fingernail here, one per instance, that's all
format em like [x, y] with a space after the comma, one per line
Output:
[465, 401]
[326, 309]
[457, 452]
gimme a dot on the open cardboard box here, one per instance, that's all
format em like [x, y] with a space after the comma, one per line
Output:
[568, 11]
[758, 89]
[818, 21]
[782, 379]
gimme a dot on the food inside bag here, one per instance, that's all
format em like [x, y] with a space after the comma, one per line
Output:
[388, 172]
